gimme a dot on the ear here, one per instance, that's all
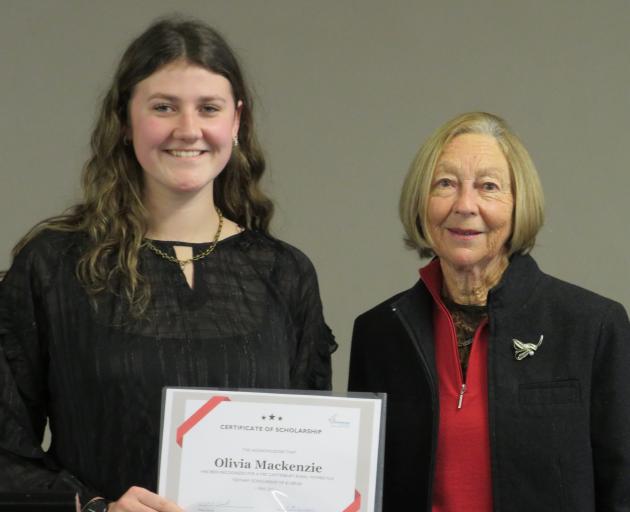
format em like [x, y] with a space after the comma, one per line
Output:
[237, 118]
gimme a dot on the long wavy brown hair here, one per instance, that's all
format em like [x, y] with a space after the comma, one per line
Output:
[112, 214]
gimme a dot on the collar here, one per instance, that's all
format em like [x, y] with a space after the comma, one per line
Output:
[431, 275]
[518, 281]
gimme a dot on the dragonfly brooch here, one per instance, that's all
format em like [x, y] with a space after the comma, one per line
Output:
[522, 350]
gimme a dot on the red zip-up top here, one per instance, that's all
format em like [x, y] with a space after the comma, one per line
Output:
[463, 479]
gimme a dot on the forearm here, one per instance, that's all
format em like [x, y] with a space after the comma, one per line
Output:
[37, 475]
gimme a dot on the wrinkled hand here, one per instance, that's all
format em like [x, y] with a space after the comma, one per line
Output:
[138, 499]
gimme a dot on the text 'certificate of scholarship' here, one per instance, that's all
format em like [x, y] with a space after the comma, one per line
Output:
[268, 451]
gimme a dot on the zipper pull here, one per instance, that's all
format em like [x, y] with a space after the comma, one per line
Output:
[460, 400]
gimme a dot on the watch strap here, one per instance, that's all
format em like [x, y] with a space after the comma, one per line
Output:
[97, 504]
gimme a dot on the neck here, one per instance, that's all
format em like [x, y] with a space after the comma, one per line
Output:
[191, 219]
[471, 285]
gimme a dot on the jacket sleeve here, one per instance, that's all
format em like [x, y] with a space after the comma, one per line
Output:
[358, 378]
[610, 413]
[24, 465]
[371, 369]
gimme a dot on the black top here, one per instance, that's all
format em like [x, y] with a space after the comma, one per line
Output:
[253, 319]
[466, 319]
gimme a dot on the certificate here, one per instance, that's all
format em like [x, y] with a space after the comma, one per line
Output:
[271, 451]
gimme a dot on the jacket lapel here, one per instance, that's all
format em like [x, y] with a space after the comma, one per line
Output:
[414, 308]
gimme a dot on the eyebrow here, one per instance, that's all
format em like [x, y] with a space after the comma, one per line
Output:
[175, 99]
[484, 171]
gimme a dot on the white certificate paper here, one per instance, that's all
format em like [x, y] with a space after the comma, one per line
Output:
[224, 451]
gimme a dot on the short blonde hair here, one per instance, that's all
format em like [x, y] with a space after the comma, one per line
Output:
[528, 215]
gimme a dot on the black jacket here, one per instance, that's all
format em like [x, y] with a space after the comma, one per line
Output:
[559, 420]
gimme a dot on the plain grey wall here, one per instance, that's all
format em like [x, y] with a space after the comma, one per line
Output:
[347, 91]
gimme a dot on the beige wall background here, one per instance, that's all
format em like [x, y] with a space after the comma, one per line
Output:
[347, 91]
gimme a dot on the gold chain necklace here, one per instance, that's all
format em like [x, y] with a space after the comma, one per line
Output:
[201, 255]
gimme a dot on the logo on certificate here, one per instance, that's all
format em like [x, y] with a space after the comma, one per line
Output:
[339, 421]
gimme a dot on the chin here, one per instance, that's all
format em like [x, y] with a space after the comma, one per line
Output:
[471, 260]
[464, 259]
[194, 184]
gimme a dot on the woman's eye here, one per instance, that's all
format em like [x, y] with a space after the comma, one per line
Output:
[489, 186]
[443, 183]
[209, 109]
[163, 108]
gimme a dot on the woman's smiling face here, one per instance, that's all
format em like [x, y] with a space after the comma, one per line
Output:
[470, 209]
[183, 119]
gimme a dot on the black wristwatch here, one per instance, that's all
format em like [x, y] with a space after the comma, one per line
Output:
[95, 505]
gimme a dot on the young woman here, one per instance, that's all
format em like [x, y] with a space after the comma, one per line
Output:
[165, 275]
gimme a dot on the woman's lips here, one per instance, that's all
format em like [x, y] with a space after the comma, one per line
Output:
[185, 153]
[465, 234]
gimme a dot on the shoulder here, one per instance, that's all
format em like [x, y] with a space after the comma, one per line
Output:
[50, 244]
[585, 307]
[52, 239]
[268, 250]
[382, 334]
[559, 299]
[572, 297]
[47, 252]
[382, 308]
[377, 315]
[574, 294]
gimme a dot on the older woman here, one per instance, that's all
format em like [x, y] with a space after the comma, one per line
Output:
[165, 275]
[507, 388]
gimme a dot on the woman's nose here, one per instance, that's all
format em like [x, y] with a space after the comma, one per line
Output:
[466, 200]
[187, 127]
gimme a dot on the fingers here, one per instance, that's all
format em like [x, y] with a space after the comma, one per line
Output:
[138, 499]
